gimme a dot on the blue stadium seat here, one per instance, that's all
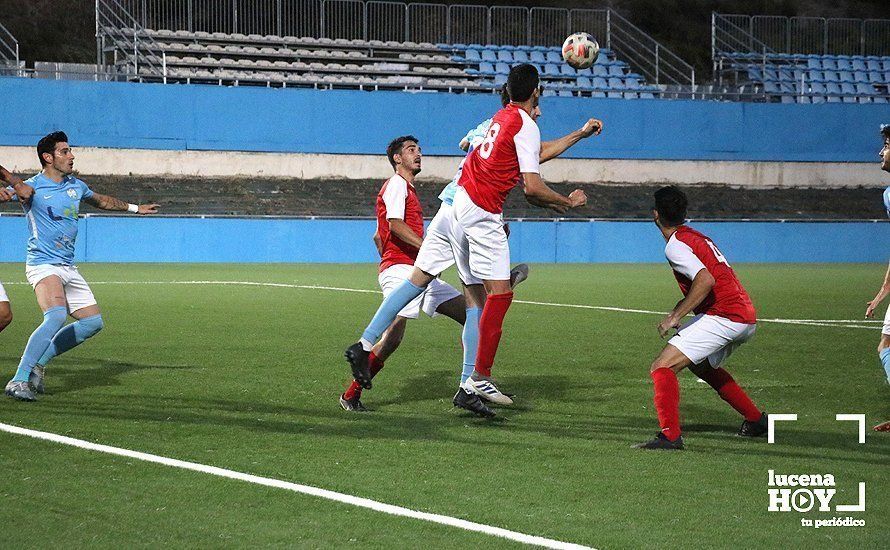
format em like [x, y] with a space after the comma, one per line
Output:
[614, 95]
[860, 76]
[486, 68]
[832, 76]
[829, 64]
[770, 74]
[865, 89]
[787, 99]
[473, 56]
[584, 82]
[616, 70]
[505, 56]
[565, 93]
[845, 76]
[488, 55]
[844, 65]
[502, 68]
[598, 94]
[887, 76]
[875, 77]
[814, 63]
[787, 88]
[815, 76]
[500, 80]
[567, 70]
[553, 57]
[887, 63]
[631, 95]
[850, 91]
[603, 60]
[874, 64]
[755, 75]
[771, 87]
[834, 91]
[616, 83]
[879, 99]
[472, 47]
[551, 69]
[585, 72]
[859, 65]
[600, 83]
[600, 70]
[632, 82]
[520, 56]
[537, 57]
[647, 95]
[785, 75]
[804, 99]
[548, 92]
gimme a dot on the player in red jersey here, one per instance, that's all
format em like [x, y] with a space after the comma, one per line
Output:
[510, 153]
[398, 238]
[724, 319]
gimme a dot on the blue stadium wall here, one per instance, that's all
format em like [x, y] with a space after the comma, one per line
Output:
[194, 117]
[132, 239]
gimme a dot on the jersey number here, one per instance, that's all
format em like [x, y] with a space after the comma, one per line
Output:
[719, 255]
[487, 145]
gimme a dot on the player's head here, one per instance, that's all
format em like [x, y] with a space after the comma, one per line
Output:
[670, 207]
[522, 84]
[885, 150]
[53, 150]
[404, 151]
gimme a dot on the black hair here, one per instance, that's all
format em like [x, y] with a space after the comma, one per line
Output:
[505, 96]
[885, 131]
[395, 148]
[522, 82]
[671, 203]
[47, 144]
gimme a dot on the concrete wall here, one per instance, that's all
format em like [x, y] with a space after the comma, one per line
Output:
[144, 239]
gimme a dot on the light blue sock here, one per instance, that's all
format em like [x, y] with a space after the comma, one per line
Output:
[71, 336]
[885, 360]
[53, 319]
[470, 339]
[389, 308]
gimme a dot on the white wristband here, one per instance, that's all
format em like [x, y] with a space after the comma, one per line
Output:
[133, 208]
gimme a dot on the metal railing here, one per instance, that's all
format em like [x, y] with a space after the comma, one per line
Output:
[9, 52]
[800, 35]
[410, 22]
[122, 48]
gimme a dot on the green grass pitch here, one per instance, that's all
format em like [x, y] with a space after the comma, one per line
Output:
[247, 378]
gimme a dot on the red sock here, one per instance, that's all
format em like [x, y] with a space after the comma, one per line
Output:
[732, 393]
[667, 402]
[490, 328]
[355, 389]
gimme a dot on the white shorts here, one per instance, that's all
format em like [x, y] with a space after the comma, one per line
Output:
[77, 291]
[886, 329]
[3, 296]
[482, 249]
[711, 337]
[441, 246]
[437, 293]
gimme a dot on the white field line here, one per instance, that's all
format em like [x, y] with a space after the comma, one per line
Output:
[297, 488]
[835, 323]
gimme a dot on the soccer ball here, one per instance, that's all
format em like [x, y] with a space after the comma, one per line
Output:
[580, 50]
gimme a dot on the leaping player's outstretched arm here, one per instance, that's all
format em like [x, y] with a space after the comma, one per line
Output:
[22, 189]
[552, 149]
[539, 194]
[107, 202]
[879, 297]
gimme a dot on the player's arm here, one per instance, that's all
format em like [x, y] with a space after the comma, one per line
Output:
[21, 189]
[400, 229]
[464, 145]
[378, 242]
[6, 194]
[879, 297]
[552, 149]
[701, 287]
[107, 202]
[539, 194]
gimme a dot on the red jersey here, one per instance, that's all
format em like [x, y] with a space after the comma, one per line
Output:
[397, 199]
[688, 252]
[511, 146]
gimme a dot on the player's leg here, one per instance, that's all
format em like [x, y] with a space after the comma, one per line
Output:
[87, 323]
[712, 372]
[401, 295]
[664, 372]
[5, 309]
[884, 345]
[392, 337]
[50, 294]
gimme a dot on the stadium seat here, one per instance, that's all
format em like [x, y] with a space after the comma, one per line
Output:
[598, 94]
[815, 76]
[600, 70]
[554, 57]
[787, 99]
[584, 82]
[770, 74]
[864, 89]
[520, 56]
[879, 99]
[771, 87]
[473, 56]
[502, 68]
[632, 82]
[804, 99]
[551, 69]
[860, 76]
[875, 77]
[834, 91]
[486, 68]
[616, 70]
[548, 93]
[859, 65]
[886, 63]
[489, 56]
[616, 83]
[505, 56]
[537, 57]
[500, 80]
[814, 63]
[565, 93]
[600, 83]
[844, 64]
[829, 64]
[874, 65]
[567, 70]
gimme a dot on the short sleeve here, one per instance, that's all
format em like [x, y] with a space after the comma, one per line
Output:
[477, 134]
[528, 146]
[86, 192]
[394, 197]
[682, 259]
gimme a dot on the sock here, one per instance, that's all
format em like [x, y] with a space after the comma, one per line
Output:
[491, 324]
[355, 389]
[53, 319]
[470, 340]
[71, 336]
[386, 313]
[732, 393]
[667, 402]
[885, 360]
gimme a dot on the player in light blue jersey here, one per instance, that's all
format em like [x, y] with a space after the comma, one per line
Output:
[52, 214]
[435, 256]
[884, 342]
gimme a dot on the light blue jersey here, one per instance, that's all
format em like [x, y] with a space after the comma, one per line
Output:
[52, 219]
[473, 137]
